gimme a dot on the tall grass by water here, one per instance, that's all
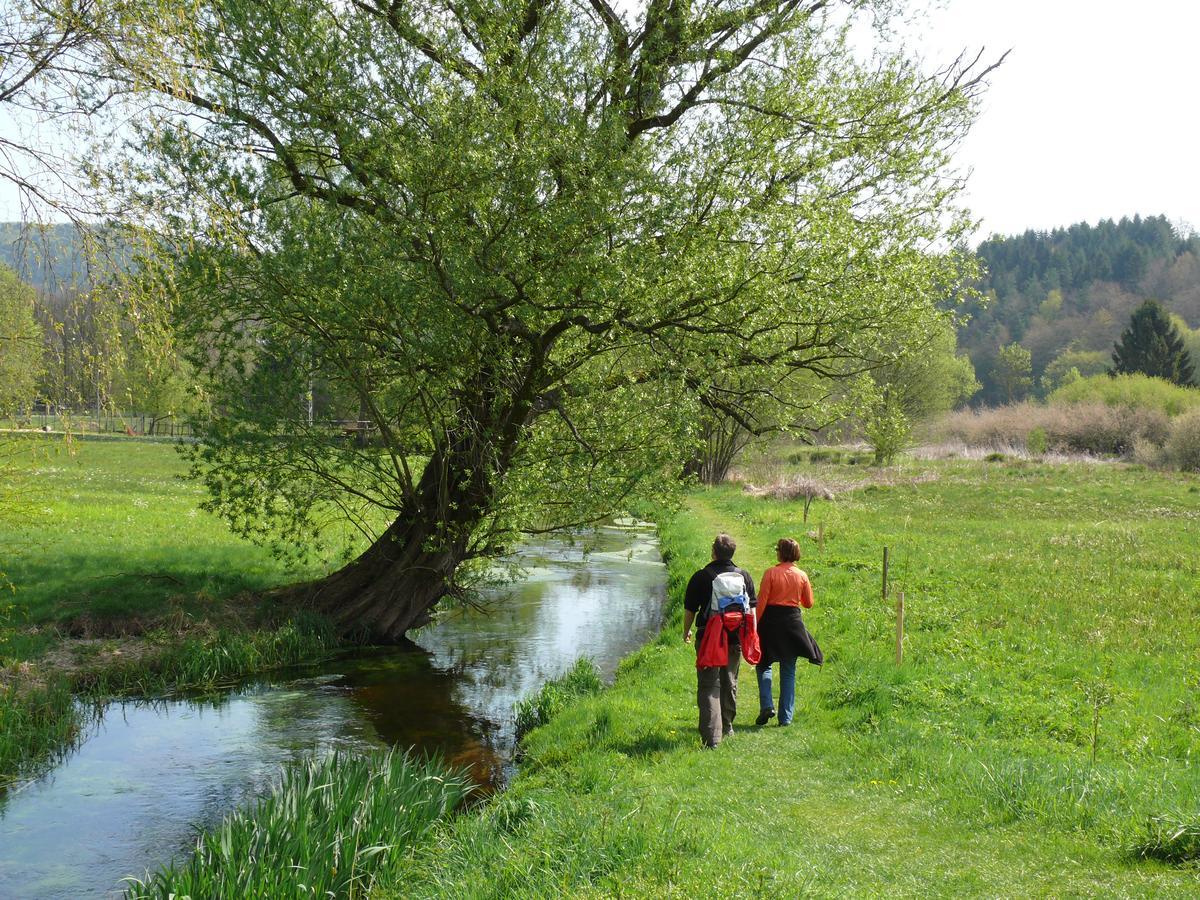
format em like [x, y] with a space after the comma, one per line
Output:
[326, 831]
[582, 680]
[212, 660]
[36, 723]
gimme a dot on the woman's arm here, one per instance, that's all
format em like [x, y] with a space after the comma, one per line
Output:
[806, 592]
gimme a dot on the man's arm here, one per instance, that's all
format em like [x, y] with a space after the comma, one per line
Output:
[750, 587]
[693, 599]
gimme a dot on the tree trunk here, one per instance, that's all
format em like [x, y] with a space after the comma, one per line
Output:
[391, 588]
[396, 582]
[724, 440]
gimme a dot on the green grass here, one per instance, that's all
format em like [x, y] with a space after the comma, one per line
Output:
[36, 723]
[556, 695]
[115, 537]
[1053, 619]
[325, 831]
[108, 540]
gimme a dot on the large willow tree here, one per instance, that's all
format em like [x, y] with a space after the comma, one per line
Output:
[533, 242]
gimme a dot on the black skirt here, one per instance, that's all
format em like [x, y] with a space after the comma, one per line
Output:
[782, 634]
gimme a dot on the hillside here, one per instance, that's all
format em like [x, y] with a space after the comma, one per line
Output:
[49, 257]
[1073, 290]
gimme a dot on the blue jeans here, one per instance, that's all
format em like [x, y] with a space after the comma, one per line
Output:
[787, 689]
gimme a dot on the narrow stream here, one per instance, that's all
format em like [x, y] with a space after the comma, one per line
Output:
[152, 772]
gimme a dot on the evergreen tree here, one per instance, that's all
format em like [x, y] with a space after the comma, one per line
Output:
[20, 344]
[1152, 345]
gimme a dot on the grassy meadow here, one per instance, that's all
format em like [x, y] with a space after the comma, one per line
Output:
[1040, 738]
[113, 538]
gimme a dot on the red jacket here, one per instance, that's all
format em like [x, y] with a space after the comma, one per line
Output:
[714, 646]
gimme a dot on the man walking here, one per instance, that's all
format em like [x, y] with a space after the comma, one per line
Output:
[716, 686]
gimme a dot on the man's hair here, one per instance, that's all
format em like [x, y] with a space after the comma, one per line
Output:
[787, 550]
[723, 547]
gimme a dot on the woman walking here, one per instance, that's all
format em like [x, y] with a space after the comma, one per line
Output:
[783, 590]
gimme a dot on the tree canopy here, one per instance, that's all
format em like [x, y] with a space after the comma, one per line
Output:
[914, 386]
[532, 242]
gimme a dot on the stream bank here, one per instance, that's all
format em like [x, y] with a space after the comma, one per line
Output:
[148, 773]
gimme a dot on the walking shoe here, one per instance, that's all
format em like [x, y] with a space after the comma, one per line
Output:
[728, 732]
[764, 717]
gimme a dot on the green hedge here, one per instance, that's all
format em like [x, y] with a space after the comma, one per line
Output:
[1129, 390]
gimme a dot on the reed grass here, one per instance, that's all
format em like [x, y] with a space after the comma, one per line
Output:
[37, 724]
[212, 661]
[326, 831]
[582, 680]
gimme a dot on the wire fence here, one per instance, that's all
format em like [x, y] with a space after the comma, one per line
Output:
[134, 424]
[107, 422]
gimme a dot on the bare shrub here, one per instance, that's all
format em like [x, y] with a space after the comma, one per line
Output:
[1183, 444]
[999, 428]
[1092, 428]
[1147, 453]
[797, 487]
[1100, 429]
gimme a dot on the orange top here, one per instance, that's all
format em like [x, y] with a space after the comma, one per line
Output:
[784, 585]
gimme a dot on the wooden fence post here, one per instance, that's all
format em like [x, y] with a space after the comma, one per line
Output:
[900, 628]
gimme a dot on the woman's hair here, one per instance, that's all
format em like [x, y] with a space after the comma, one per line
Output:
[787, 550]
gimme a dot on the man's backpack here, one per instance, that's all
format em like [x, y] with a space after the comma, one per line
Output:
[730, 602]
[728, 611]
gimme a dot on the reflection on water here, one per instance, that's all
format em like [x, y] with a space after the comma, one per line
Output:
[151, 773]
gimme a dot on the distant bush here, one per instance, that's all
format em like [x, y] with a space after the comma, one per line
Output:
[1093, 428]
[1183, 443]
[1098, 429]
[1128, 390]
[830, 456]
[1148, 454]
[1036, 441]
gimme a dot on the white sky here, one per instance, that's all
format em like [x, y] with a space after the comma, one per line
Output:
[1096, 113]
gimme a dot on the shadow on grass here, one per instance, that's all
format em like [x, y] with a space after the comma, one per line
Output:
[654, 743]
[91, 593]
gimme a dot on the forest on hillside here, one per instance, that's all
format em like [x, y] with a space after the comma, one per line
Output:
[1065, 296]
